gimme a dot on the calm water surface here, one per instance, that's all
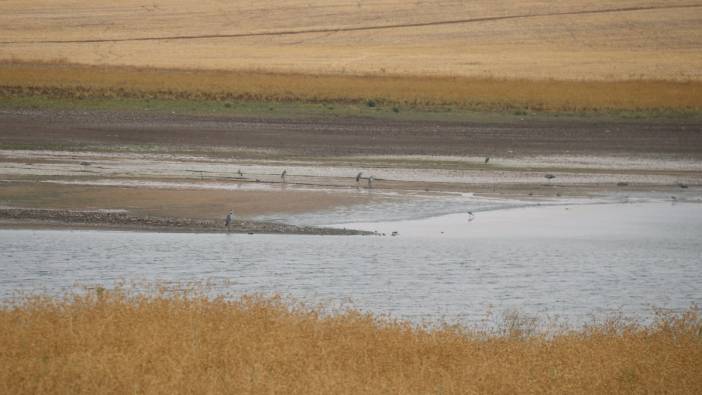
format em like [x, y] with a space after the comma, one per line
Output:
[572, 262]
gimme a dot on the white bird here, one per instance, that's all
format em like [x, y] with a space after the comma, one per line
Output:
[370, 181]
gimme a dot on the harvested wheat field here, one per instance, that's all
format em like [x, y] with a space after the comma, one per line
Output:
[111, 342]
[592, 40]
[570, 56]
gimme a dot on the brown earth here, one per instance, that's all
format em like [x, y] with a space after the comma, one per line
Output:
[43, 218]
[352, 136]
[181, 203]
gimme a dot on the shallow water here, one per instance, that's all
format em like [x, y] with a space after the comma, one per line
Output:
[569, 261]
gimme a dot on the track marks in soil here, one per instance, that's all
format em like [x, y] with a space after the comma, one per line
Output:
[355, 29]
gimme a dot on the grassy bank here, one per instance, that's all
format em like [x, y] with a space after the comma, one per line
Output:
[170, 343]
[347, 94]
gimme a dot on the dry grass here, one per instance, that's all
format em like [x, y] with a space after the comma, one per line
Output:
[110, 342]
[556, 56]
[71, 81]
[662, 41]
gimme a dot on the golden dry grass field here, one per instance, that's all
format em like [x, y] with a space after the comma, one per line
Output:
[69, 81]
[574, 39]
[568, 55]
[110, 342]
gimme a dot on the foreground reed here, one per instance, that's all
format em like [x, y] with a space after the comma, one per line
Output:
[113, 342]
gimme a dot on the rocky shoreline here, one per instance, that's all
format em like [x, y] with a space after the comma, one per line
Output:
[118, 220]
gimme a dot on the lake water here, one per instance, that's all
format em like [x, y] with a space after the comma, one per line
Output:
[568, 261]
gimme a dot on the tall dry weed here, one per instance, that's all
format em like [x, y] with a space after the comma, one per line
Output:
[71, 81]
[173, 342]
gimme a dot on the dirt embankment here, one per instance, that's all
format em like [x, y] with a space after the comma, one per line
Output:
[42, 218]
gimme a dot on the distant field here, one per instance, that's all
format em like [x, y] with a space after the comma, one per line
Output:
[571, 40]
[108, 342]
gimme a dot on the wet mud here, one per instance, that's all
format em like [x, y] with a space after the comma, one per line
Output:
[41, 218]
[354, 136]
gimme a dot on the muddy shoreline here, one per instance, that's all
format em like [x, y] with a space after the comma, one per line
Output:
[17, 218]
[325, 137]
[181, 173]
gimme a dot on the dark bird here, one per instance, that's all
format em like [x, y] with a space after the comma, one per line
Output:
[358, 176]
[681, 185]
[240, 173]
[487, 159]
[282, 175]
[228, 219]
[549, 177]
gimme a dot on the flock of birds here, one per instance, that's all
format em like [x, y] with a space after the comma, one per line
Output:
[371, 178]
[359, 176]
[471, 216]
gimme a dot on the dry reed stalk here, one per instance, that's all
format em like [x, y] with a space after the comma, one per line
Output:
[112, 342]
[70, 80]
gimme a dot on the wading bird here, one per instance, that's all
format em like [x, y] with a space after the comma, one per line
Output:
[240, 173]
[358, 176]
[487, 159]
[470, 216]
[282, 175]
[228, 220]
[370, 181]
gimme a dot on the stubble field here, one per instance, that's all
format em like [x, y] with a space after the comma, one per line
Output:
[574, 40]
[570, 56]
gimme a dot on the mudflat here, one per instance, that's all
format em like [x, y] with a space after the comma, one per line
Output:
[179, 171]
[337, 137]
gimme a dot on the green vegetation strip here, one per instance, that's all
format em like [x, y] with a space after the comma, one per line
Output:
[13, 98]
